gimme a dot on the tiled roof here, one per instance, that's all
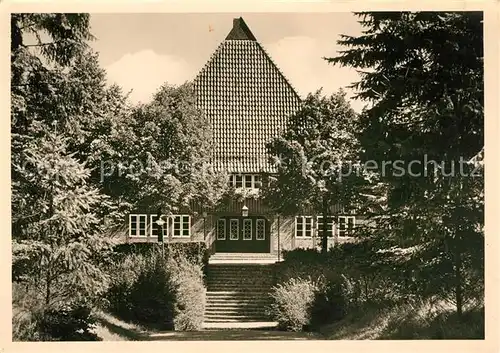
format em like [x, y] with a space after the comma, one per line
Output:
[247, 100]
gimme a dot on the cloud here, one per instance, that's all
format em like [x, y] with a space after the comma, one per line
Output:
[145, 71]
[300, 59]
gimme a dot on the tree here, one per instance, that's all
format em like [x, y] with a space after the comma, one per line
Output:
[158, 155]
[57, 212]
[316, 160]
[422, 74]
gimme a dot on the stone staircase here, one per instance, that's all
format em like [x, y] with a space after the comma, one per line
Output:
[238, 293]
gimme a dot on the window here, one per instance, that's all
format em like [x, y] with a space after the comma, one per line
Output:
[303, 226]
[137, 225]
[247, 229]
[257, 181]
[221, 229]
[260, 226]
[239, 181]
[346, 225]
[234, 229]
[155, 228]
[247, 181]
[330, 225]
[181, 226]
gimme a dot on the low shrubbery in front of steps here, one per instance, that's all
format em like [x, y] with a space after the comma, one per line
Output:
[160, 290]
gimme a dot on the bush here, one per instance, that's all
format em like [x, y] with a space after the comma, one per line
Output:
[292, 302]
[69, 323]
[160, 293]
[144, 294]
[33, 321]
[331, 303]
[190, 295]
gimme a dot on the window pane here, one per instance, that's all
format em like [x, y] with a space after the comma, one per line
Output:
[308, 226]
[133, 225]
[154, 225]
[257, 181]
[142, 225]
[234, 229]
[248, 181]
[247, 229]
[239, 181]
[261, 229]
[221, 229]
[299, 226]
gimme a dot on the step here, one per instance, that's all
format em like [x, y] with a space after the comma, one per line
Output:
[232, 301]
[235, 305]
[217, 312]
[231, 287]
[237, 319]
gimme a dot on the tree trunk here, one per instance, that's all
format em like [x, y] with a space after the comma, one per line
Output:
[324, 237]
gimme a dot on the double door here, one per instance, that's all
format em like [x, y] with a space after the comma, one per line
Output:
[242, 234]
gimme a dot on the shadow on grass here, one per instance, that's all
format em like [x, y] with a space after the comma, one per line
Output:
[408, 322]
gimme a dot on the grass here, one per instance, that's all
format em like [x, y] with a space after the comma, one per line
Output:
[419, 321]
[109, 328]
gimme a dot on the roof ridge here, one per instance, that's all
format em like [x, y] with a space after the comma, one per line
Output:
[279, 71]
[207, 63]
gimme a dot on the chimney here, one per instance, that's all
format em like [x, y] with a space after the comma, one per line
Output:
[240, 31]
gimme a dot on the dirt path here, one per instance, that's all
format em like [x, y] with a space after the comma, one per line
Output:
[231, 335]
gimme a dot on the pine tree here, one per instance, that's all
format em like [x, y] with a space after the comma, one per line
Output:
[422, 75]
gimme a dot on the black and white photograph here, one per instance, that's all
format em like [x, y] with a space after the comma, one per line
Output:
[247, 176]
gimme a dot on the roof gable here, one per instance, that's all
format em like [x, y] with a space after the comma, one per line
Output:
[247, 100]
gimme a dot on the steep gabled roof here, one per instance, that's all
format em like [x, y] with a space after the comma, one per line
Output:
[247, 100]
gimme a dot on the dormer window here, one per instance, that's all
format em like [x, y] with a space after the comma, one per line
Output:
[245, 181]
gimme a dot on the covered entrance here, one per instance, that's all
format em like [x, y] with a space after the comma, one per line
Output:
[243, 234]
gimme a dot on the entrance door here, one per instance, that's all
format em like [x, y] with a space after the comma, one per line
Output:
[243, 234]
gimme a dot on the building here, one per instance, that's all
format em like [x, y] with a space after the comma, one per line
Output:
[248, 101]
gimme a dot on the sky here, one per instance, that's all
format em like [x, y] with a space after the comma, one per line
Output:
[140, 52]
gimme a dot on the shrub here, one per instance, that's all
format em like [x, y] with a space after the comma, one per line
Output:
[149, 299]
[69, 323]
[190, 294]
[331, 302]
[292, 302]
[164, 293]
[33, 321]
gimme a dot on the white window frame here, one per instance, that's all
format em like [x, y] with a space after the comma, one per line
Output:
[151, 222]
[263, 221]
[303, 235]
[333, 229]
[337, 227]
[138, 227]
[221, 220]
[181, 229]
[237, 229]
[248, 221]
[253, 182]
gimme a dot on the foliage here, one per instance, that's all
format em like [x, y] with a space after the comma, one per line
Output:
[428, 111]
[34, 321]
[163, 293]
[158, 154]
[68, 324]
[316, 159]
[331, 302]
[187, 278]
[57, 91]
[292, 302]
[415, 323]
